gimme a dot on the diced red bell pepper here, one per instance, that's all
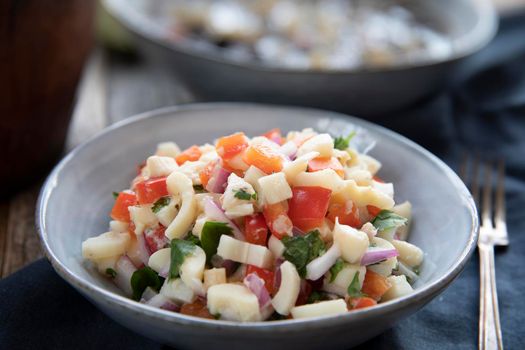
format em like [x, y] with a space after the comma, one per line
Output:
[120, 208]
[373, 211]
[308, 206]
[255, 229]
[149, 191]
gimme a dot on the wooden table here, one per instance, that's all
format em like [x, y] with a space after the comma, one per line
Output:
[112, 89]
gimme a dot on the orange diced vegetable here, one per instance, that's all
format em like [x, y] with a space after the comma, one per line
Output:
[231, 145]
[372, 210]
[191, 154]
[264, 158]
[277, 219]
[360, 303]
[347, 216]
[321, 163]
[205, 174]
[120, 208]
[375, 285]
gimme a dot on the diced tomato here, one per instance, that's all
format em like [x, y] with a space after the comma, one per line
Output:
[321, 163]
[155, 238]
[347, 213]
[304, 293]
[360, 303]
[149, 191]
[275, 136]
[198, 309]
[255, 229]
[231, 145]
[276, 216]
[263, 157]
[375, 285]
[190, 154]
[205, 174]
[308, 206]
[378, 179]
[373, 211]
[120, 208]
[267, 275]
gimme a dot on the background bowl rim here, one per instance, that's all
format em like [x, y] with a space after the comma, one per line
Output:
[423, 293]
[470, 42]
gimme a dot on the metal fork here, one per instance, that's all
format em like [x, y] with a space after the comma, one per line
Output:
[492, 233]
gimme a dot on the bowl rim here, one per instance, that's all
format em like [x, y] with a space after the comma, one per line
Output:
[424, 293]
[470, 42]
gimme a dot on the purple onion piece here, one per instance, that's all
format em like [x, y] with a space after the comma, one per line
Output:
[256, 285]
[218, 180]
[373, 256]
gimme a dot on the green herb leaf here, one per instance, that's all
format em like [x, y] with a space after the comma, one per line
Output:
[193, 239]
[255, 196]
[115, 195]
[179, 250]
[336, 268]
[111, 273]
[301, 250]
[198, 188]
[160, 203]
[144, 278]
[387, 219]
[342, 143]
[315, 296]
[242, 194]
[354, 290]
[211, 235]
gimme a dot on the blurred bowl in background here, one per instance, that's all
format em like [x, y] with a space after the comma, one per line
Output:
[365, 91]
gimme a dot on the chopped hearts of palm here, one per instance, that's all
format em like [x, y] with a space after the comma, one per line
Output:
[259, 228]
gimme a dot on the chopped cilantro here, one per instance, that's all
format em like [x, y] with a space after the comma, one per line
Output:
[387, 219]
[211, 235]
[179, 250]
[243, 194]
[217, 316]
[300, 250]
[144, 278]
[342, 143]
[315, 296]
[193, 239]
[115, 195]
[336, 268]
[354, 290]
[160, 203]
[111, 273]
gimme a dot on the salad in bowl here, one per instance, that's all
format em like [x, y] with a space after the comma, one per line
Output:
[259, 229]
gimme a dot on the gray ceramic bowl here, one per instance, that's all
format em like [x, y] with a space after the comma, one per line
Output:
[76, 199]
[470, 24]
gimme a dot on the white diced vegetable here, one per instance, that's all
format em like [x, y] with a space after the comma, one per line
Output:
[385, 267]
[104, 246]
[366, 195]
[400, 287]
[124, 269]
[322, 143]
[252, 177]
[214, 276]
[372, 164]
[288, 292]
[177, 291]
[244, 252]
[276, 246]
[297, 166]
[234, 206]
[405, 210]
[192, 270]
[118, 226]
[167, 213]
[275, 188]
[167, 149]
[142, 217]
[353, 243]
[160, 260]
[106, 263]
[408, 253]
[343, 279]
[326, 178]
[199, 224]
[323, 308]
[361, 176]
[233, 302]
[319, 266]
[385, 188]
[160, 166]
[179, 184]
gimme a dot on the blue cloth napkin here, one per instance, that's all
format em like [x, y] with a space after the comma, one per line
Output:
[38, 310]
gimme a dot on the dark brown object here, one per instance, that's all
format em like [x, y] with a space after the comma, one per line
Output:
[43, 47]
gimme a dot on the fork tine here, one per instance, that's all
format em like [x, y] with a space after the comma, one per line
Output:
[499, 216]
[486, 215]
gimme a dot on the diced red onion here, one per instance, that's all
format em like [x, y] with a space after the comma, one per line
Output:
[218, 179]
[289, 149]
[373, 256]
[144, 253]
[124, 268]
[256, 285]
[229, 265]
[319, 266]
[161, 302]
[214, 212]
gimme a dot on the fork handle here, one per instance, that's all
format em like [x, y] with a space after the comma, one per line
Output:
[489, 325]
